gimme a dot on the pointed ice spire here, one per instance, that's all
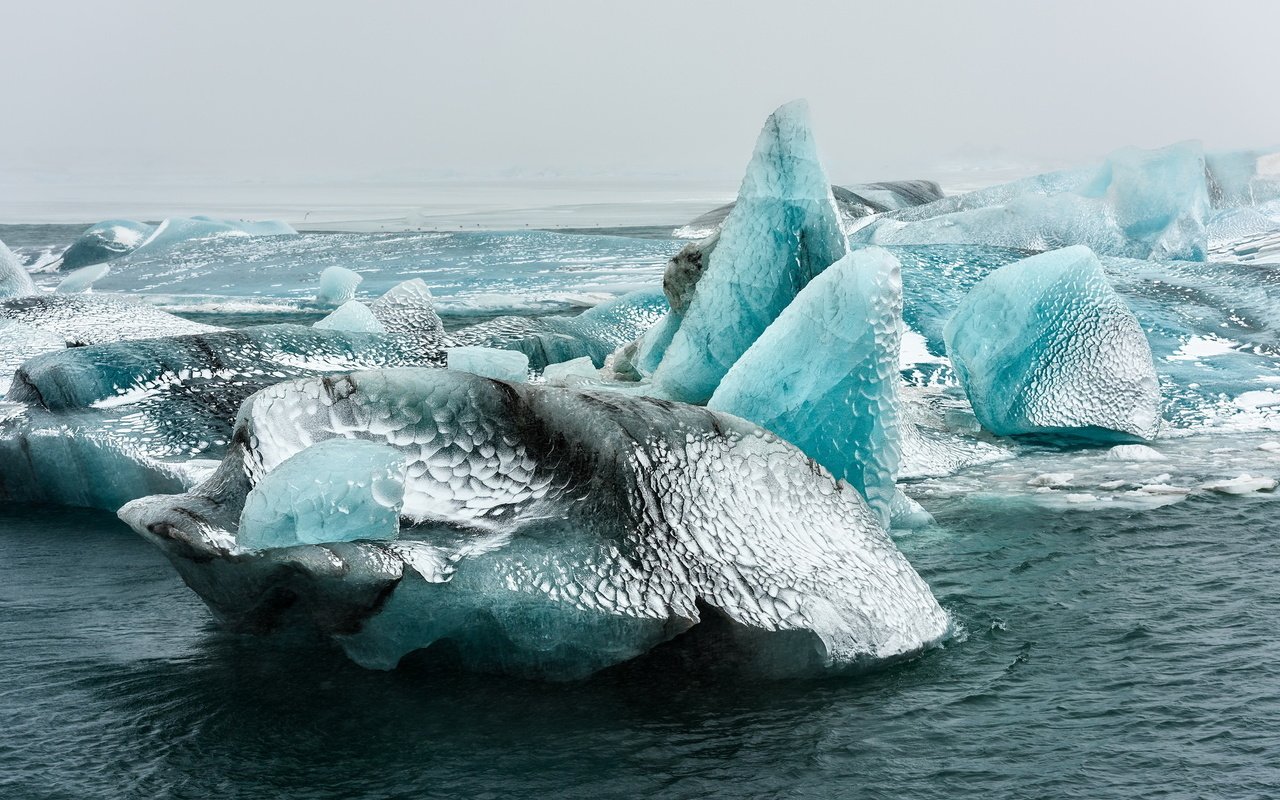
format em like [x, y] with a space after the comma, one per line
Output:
[15, 281]
[783, 232]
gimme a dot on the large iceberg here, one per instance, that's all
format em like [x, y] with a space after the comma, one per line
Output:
[1138, 204]
[1045, 345]
[15, 281]
[114, 238]
[824, 375]
[552, 533]
[782, 233]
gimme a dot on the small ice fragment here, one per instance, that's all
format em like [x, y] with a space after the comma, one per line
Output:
[337, 286]
[1162, 488]
[82, 280]
[490, 362]
[1269, 447]
[1135, 452]
[1052, 479]
[1112, 485]
[567, 373]
[351, 316]
[1079, 497]
[1241, 484]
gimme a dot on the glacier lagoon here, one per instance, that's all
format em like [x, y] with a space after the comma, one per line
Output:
[688, 573]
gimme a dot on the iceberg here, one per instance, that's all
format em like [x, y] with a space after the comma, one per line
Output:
[408, 310]
[489, 362]
[15, 281]
[691, 515]
[351, 316]
[82, 280]
[1045, 345]
[337, 286]
[85, 319]
[593, 334]
[1138, 204]
[782, 233]
[105, 241]
[337, 490]
[20, 342]
[824, 376]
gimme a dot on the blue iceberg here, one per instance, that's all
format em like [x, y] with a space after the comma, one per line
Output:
[105, 241]
[115, 238]
[15, 281]
[498, 554]
[824, 376]
[1138, 204]
[82, 280]
[337, 286]
[1045, 345]
[782, 233]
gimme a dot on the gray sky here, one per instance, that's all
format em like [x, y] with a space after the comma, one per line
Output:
[287, 90]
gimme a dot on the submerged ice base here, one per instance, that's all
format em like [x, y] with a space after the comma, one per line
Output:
[552, 533]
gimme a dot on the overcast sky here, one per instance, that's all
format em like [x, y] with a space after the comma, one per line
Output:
[316, 89]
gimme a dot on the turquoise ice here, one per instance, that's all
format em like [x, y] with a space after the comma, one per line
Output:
[15, 281]
[824, 375]
[1045, 345]
[1137, 204]
[782, 233]
[351, 316]
[337, 490]
[337, 286]
[107, 240]
[82, 280]
[490, 362]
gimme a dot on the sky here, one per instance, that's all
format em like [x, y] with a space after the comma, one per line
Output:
[315, 90]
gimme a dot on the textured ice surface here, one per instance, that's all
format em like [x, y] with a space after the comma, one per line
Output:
[14, 279]
[337, 490]
[351, 316]
[337, 286]
[594, 334]
[489, 362]
[783, 232]
[824, 375]
[105, 241]
[557, 532]
[19, 342]
[408, 310]
[1140, 204]
[1045, 345]
[95, 319]
[82, 280]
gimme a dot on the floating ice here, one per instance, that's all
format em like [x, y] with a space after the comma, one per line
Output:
[1135, 452]
[15, 281]
[782, 233]
[408, 309]
[594, 334]
[1045, 345]
[82, 280]
[337, 490]
[1241, 484]
[351, 316]
[567, 373]
[105, 241]
[489, 362]
[337, 286]
[1140, 204]
[824, 375]
[20, 342]
[83, 319]
[691, 513]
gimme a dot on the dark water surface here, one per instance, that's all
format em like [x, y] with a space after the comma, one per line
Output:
[1105, 655]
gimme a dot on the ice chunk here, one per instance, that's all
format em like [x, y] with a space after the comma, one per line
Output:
[1139, 204]
[1045, 345]
[409, 309]
[1241, 484]
[783, 232]
[338, 490]
[15, 281]
[337, 286]
[507, 561]
[569, 372]
[105, 241]
[595, 333]
[351, 316]
[824, 375]
[175, 230]
[503, 365]
[82, 280]
[1135, 452]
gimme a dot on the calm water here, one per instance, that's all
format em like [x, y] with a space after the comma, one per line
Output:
[1105, 655]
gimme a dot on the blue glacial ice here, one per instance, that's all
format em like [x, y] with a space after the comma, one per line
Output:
[337, 286]
[783, 232]
[824, 376]
[105, 241]
[1138, 204]
[552, 533]
[82, 319]
[336, 490]
[1045, 345]
[15, 281]
[490, 362]
[82, 280]
[351, 316]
